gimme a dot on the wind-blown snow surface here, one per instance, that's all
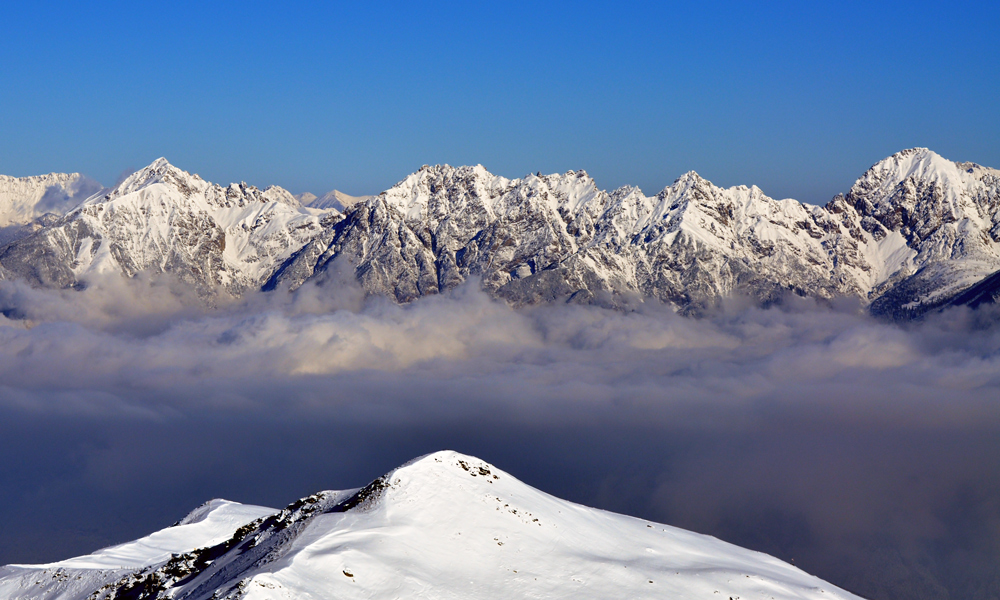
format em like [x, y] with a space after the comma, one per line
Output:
[443, 526]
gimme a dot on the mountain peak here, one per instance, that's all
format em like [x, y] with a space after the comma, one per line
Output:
[335, 199]
[690, 176]
[431, 184]
[445, 462]
[686, 181]
[427, 477]
[158, 171]
[428, 174]
[920, 163]
[161, 166]
[920, 166]
[442, 525]
[159, 163]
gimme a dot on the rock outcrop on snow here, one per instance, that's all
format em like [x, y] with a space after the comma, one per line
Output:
[443, 526]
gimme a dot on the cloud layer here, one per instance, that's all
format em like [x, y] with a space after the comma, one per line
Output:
[803, 430]
[132, 340]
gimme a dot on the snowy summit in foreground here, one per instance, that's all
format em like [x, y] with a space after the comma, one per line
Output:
[442, 526]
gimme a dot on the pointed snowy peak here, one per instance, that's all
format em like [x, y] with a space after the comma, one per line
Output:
[691, 177]
[159, 219]
[449, 187]
[159, 171]
[683, 184]
[276, 193]
[162, 172]
[625, 191]
[160, 164]
[451, 525]
[305, 198]
[920, 164]
[917, 191]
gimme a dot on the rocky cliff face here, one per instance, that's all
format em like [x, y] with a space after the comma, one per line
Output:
[913, 218]
[913, 231]
[949, 215]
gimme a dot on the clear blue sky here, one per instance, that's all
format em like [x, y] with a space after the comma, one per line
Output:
[796, 99]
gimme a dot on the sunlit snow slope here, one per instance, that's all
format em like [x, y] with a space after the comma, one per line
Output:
[915, 229]
[207, 525]
[913, 233]
[442, 526]
[164, 220]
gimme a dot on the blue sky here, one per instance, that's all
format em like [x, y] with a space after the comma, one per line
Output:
[797, 99]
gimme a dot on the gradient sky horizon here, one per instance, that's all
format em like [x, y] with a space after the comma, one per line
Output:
[796, 99]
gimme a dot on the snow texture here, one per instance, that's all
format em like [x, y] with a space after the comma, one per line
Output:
[912, 233]
[443, 526]
[219, 240]
[209, 524]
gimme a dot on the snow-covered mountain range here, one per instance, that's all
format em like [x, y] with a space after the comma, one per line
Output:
[442, 526]
[164, 220]
[914, 232]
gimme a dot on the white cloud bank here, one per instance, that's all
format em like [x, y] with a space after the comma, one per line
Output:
[137, 347]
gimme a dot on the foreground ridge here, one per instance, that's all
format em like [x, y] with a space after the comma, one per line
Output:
[442, 526]
[911, 235]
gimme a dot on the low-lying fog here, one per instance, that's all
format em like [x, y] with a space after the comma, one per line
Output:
[867, 452]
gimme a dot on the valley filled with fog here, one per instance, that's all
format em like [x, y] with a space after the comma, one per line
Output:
[860, 448]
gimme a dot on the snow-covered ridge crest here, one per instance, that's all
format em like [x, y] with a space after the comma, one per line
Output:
[334, 199]
[543, 238]
[82, 576]
[161, 219]
[451, 526]
[914, 231]
[559, 236]
[162, 172]
[432, 192]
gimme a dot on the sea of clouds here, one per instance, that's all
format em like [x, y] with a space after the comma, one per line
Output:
[806, 429]
[119, 343]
